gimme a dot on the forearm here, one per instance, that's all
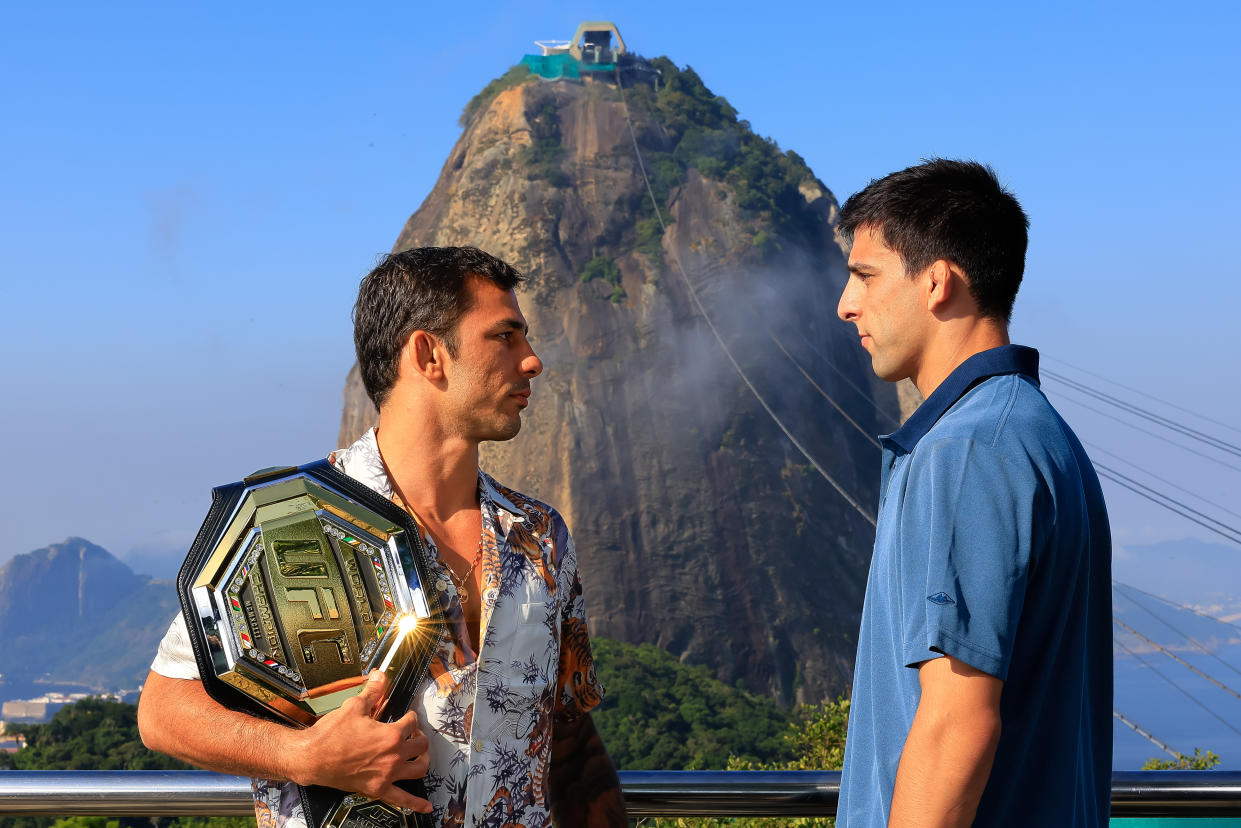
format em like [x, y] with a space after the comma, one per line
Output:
[585, 790]
[944, 767]
[345, 749]
[177, 717]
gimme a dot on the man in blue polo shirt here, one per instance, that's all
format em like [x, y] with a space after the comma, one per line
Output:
[982, 691]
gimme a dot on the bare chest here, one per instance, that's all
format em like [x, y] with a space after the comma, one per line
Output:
[459, 543]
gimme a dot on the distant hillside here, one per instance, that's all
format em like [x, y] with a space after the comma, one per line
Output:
[72, 612]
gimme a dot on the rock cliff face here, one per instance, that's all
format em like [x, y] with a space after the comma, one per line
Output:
[701, 526]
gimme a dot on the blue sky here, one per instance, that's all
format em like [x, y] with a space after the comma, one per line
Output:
[191, 193]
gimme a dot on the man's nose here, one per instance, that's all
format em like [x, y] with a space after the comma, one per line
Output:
[846, 308]
[531, 365]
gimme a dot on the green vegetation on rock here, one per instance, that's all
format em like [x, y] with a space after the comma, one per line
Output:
[602, 267]
[545, 152]
[650, 237]
[515, 76]
[705, 134]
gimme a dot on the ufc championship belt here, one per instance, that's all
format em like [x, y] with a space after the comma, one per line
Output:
[300, 582]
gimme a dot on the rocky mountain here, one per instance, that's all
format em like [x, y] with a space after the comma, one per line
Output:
[702, 408]
[74, 613]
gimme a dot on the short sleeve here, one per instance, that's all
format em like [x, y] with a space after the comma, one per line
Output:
[175, 657]
[580, 690]
[967, 531]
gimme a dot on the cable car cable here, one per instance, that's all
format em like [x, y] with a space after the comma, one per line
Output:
[1132, 725]
[693, 295]
[1177, 658]
[1187, 694]
[1164, 480]
[1181, 633]
[1170, 602]
[1192, 433]
[818, 388]
[1106, 475]
[1158, 437]
[1144, 394]
[870, 400]
[1232, 530]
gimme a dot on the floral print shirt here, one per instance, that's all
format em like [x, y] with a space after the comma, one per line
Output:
[488, 715]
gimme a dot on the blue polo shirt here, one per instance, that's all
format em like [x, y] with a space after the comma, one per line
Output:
[992, 546]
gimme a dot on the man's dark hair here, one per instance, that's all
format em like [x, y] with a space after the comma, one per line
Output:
[423, 289]
[951, 210]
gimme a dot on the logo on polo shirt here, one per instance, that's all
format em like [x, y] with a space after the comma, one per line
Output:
[941, 598]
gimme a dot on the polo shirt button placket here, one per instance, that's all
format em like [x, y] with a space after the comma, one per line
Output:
[886, 477]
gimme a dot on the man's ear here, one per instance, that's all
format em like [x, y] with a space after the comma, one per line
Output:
[943, 279]
[424, 355]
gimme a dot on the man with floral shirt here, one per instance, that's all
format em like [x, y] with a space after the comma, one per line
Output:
[502, 734]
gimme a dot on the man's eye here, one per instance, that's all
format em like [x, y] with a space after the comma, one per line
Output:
[505, 335]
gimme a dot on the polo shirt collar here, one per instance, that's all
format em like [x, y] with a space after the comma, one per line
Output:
[1007, 359]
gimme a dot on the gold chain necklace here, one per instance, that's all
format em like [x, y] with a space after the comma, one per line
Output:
[463, 591]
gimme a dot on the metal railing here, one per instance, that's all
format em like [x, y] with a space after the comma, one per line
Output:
[647, 793]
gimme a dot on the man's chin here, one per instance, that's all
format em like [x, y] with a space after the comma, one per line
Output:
[502, 431]
[888, 373]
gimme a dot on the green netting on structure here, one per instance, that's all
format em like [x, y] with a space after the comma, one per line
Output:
[552, 66]
[562, 66]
